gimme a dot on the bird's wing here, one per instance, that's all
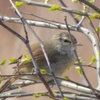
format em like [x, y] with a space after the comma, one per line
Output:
[39, 56]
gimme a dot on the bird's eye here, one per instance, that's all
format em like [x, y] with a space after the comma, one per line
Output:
[67, 41]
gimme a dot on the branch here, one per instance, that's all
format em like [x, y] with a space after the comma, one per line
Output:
[33, 59]
[92, 37]
[30, 2]
[73, 17]
[90, 5]
[67, 94]
[44, 52]
[62, 82]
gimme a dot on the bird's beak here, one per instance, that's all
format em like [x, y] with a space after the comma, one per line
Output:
[78, 44]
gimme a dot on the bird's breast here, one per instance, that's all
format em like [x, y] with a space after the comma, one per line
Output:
[62, 62]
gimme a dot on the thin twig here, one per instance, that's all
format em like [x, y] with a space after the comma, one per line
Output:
[26, 43]
[79, 60]
[44, 52]
[64, 9]
[97, 9]
[75, 19]
[86, 65]
[45, 93]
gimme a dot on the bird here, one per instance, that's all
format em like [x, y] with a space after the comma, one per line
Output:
[59, 49]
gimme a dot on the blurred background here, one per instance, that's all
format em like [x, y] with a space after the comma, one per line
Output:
[11, 46]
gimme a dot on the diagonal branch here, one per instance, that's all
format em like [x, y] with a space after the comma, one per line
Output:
[33, 58]
[65, 9]
[44, 52]
[73, 17]
[91, 5]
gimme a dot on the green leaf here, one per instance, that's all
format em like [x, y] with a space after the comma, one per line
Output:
[55, 7]
[65, 98]
[37, 95]
[89, 21]
[27, 59]
[79, 71]
[95, 15]
[78, 16]
[80, 59]
[1, 77]
[68, 68]
[3, 62]
[75, 1]
[43, 71]
[66, 77]
[46, 1]
[1, 85]
[54, 92]
[98, 29]
[19, 4]
[13, 60]
[84, 10]
[52, 98]
[44, 93]
[93, 60]
[92, 1]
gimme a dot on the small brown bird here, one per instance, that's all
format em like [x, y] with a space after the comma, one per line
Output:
[60, 53]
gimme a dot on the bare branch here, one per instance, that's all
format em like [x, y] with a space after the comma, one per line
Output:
[70, 95]
[91, 5]
[30, 2]
[44, 52]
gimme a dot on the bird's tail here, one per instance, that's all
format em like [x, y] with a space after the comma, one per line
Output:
[8, 83]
